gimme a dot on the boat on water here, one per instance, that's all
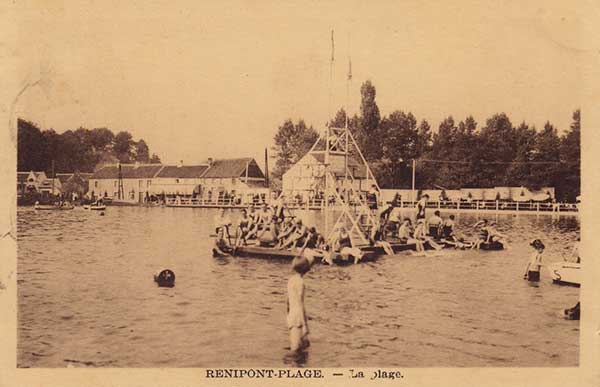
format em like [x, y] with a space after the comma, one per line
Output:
[53, 207]
[92, 207]
[289, 254]
[565, 273]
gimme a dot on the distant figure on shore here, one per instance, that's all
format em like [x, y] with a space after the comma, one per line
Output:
[421, 205]
[297, 322]
[532, 272]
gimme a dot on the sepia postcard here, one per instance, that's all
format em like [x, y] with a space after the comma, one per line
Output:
[332, 193]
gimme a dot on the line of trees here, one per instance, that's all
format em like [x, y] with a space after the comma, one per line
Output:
[76, 150]
[458, 155]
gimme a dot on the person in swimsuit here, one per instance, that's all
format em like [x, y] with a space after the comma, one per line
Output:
[434, 224]
[221, 247]
[222, 221]
[377, 238]
[297, 321]
[421, 205]
[405, 235]
[421, 234]
[373, 197]
[267, 237]
[296, 238]
[242, 229]
[483, 233]
[286, 230]
[532, 272]
[342, 243]
[312, 243]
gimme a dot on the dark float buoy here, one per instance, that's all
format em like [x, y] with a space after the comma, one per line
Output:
[165, 279]
[101, 213]
[573, 313]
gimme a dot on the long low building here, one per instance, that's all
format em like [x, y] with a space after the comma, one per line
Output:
[241, 177]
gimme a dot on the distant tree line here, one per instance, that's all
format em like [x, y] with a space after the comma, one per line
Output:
[458, 155]
[76, 150]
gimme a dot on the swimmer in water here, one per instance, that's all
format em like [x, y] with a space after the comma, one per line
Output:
[297, 321]
[221, 247]
[532, 272]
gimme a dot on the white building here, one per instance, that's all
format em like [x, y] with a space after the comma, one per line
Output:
[209, 180]
[307, 176]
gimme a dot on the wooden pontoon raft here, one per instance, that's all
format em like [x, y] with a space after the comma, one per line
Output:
[369, 254]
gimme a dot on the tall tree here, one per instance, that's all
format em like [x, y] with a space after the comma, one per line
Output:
[292, 142]
[519, 173]
[569, 185]
[142, 152]
[496, 149]
[123, 147]
[31, 147]
[367, 133]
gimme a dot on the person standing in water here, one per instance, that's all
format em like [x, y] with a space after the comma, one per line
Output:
[532, 272]
[297, 322]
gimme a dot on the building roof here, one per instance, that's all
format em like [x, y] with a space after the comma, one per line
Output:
[128, 171]
[182, 172]
[225, 168]
[233, 168]
[357, 168]
[63, 177]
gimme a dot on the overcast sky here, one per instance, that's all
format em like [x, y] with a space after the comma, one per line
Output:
[198, 81]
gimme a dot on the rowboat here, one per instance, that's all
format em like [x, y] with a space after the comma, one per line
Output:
[94, 207]
[567, 273]
[52, 207]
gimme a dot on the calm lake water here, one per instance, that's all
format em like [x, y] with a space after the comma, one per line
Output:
[86, 297]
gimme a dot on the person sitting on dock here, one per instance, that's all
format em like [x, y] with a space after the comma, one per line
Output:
[287, 229]
[405, 235]
[221, 247]
[494, 235]
[377, 238]
[434, 224]
[267, 237]
[421, 234]
[242, 229]
[342, 243]
[312, 243]
[297, 236]
[483, 233]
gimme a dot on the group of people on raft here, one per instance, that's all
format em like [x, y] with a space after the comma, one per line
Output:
[269, 227]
